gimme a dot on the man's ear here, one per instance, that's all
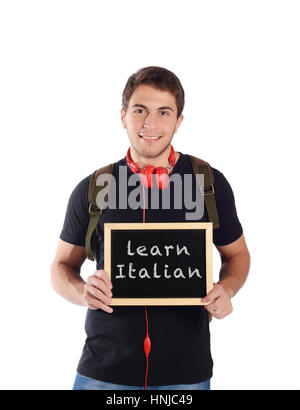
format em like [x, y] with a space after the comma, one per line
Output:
[123, 118]
[179, 121]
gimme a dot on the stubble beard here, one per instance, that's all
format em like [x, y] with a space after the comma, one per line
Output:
[153, 155]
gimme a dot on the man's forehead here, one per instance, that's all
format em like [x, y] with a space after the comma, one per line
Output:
[150, 97]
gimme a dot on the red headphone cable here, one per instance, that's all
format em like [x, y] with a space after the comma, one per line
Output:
[162, 182]
[147, 348]
[147, 341]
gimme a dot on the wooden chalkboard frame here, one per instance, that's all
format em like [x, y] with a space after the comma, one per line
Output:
[207, 226]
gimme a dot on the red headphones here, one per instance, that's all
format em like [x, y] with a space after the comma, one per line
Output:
[161, 173]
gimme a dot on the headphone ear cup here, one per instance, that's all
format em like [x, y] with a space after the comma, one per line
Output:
[132, 165]
[147, 173]
[162, 177]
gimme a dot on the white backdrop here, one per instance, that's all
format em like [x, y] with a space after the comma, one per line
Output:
[63, 67]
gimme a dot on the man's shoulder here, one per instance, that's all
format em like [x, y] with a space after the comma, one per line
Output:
[79, 194]
[83, 184]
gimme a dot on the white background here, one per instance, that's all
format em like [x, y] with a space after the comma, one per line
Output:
[64, 65]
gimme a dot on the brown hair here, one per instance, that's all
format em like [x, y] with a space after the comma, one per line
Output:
[157, 77]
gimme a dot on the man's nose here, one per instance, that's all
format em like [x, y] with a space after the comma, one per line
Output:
[150, 122]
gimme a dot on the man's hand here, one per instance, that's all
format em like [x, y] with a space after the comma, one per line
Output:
[97, 291]
[233, 274]
[219, 302]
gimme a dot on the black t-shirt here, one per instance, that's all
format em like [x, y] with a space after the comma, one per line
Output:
[180, 338]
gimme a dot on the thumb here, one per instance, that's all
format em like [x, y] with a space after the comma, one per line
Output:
[211, 296]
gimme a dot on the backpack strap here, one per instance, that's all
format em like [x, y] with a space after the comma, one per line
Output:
[94, 210]
[203, 167]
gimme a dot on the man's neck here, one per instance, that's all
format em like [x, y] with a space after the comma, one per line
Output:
[161, 161]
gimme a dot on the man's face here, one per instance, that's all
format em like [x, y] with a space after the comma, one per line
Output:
[151, 121]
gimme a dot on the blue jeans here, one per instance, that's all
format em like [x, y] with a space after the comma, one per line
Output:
[87, 383]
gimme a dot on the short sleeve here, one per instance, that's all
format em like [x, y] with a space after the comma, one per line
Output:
[77, 216]
[230, 227]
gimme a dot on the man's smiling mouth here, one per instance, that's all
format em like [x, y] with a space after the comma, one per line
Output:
[148, 137]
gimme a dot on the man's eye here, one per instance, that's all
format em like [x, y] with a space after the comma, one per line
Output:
[139, 111]
[164, 113]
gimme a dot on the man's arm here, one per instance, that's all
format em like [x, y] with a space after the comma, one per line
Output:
[67, 282]
[235, 259]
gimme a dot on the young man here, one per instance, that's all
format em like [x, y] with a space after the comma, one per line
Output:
[113, 355]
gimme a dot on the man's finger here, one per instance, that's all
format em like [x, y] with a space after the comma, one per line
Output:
[99, 295]
[95, 303]
[212, 295]
[99, 284]
[102, 274]
[211, 307]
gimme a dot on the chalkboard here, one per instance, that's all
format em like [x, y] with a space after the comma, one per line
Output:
[159, 263]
